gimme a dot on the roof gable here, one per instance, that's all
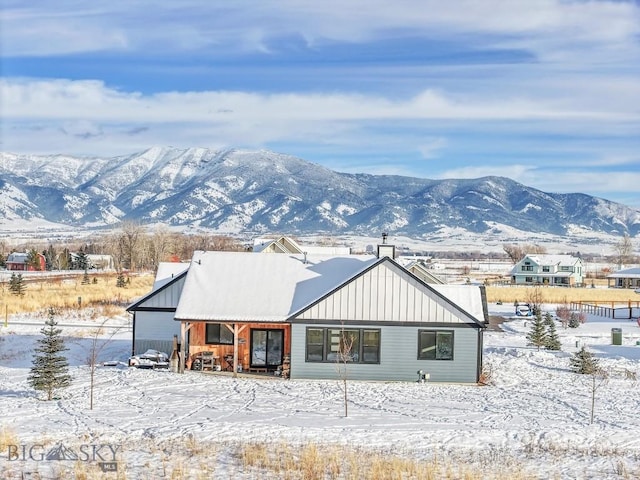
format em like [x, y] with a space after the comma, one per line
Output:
[165, 294]
[387, 292]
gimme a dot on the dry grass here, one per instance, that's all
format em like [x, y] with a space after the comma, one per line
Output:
[319, 462]
[7, 437]
[70, 293]
[509, 294]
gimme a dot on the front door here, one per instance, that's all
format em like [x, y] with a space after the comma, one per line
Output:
[266, 348]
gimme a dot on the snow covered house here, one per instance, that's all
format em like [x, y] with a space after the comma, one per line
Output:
[260, 312]
[286, 244]
[153, 324]
[626, 278]
[555, 270]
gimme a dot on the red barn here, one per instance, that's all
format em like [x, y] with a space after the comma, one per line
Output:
[18, 261]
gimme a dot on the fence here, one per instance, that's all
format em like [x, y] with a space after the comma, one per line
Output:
[608, 309]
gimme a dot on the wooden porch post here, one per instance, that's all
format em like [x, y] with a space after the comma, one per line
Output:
[236, 331]
[184, 328]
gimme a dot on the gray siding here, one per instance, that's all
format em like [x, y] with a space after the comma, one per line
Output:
[155, 330]
[398, 357]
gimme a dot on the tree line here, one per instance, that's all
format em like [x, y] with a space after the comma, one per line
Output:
[132, 247]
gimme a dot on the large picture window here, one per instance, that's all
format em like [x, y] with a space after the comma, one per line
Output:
[218, 334]
[354, 345]
[435, 345]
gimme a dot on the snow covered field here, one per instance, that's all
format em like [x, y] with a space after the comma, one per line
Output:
[534, 417]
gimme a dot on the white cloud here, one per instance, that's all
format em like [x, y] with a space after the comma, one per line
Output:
[550, 28]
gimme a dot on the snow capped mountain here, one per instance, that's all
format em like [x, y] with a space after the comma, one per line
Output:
[237, 191]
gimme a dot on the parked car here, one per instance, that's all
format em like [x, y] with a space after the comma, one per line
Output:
[523, 310]
[150, 359]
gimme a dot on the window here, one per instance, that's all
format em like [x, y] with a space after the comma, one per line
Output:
[218, 334]
[546, 269]
[355, 345]
[435, 345]
[527, 268]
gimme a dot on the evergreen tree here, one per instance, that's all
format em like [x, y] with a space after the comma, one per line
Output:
[81, 262]
[17, 285]
[50, 256]
[120, 282]
[584, 362]
[50, 369]
[33, 260]
[552, 341]
[537, 336]
[574, 320]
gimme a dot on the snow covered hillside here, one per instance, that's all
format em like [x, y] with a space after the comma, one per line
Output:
[534, 417]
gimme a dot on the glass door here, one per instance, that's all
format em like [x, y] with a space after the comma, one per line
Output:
[266, 348]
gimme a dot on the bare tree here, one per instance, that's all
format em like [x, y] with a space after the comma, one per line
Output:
[534, 298]
[514, 252]
[96, 348]
[598, 378]
[160, 243]
[624, 251]
[344, 356]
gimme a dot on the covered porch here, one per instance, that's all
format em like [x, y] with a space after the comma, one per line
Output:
[235, 347]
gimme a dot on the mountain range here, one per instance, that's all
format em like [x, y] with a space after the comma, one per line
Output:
[236, 191]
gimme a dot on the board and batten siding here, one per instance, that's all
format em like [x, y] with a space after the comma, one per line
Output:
[384, 293]
[398, 356]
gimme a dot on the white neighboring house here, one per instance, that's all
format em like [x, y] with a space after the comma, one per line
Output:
[153, 324]
[553, 270]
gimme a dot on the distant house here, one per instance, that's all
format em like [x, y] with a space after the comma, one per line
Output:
[286, 244]
[17, 261]
[100, 262]
[627, 278]
[261, 312]
[554, 270]
[421, 270]
[153, 324]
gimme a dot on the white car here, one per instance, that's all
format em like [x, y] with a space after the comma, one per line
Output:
[150, 359]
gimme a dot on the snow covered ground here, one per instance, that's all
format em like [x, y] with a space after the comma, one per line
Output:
[534, 416]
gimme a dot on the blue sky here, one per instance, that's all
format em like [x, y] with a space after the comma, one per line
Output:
[545, 92]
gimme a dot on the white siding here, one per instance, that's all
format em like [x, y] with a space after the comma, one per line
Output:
[385, 293]
[165, 297]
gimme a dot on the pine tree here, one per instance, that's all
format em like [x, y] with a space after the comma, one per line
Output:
[120, 282]
[50, 369]
[574, 320]
[584, 362]
[537, 336]
[552, 341]
[81, 262]
[17, 285]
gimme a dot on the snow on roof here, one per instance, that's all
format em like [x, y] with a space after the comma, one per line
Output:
[167, 271]
[467, 297]
[223, 286]
[626, 273]
[554, 259]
